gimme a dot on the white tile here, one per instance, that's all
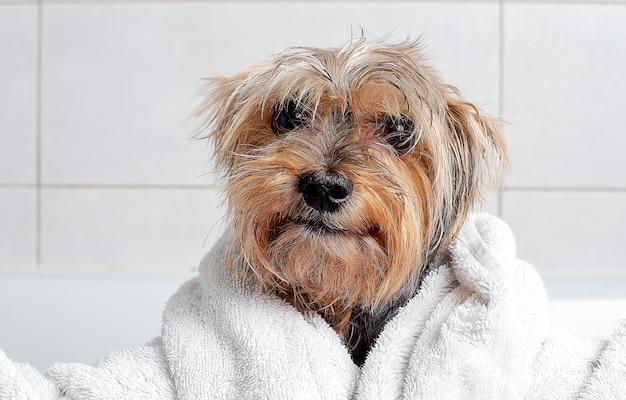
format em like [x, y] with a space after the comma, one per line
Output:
[489, 203]
[117, 93]
[573, 232]
[564, 86]
[128, 229]
[18, 210]
[461, 39]
[118, 79]
[18, 96]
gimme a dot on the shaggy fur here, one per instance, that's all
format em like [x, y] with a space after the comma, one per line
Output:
[346, 170]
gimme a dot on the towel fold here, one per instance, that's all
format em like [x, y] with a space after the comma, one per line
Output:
[477, 329]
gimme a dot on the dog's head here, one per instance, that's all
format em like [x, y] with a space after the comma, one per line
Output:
[346, 170]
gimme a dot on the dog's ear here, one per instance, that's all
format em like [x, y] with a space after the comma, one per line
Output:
[220, 110]
[477, 157]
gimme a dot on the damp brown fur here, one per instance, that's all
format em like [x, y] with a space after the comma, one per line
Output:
[394, 160]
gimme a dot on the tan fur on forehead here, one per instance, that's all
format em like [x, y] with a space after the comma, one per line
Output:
[375, 99]
[312, 75]
[305, 72]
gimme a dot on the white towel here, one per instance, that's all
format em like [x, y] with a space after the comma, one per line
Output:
[477, 329]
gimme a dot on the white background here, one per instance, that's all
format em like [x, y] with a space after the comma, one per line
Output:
[106, 205]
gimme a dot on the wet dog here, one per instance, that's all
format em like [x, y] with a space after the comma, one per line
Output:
[346, 170]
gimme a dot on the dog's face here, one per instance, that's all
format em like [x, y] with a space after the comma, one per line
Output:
[346, 171]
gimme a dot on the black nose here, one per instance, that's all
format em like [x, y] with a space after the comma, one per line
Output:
[324, 192]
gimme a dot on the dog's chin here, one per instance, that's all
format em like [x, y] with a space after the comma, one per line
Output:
[326, 266]
[317, 227]
[311, 228]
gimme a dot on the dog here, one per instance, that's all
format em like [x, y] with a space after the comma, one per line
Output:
[347, 172]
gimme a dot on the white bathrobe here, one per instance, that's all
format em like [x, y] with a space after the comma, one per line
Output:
[477, 329]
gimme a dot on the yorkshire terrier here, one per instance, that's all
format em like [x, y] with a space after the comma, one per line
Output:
[347, 172]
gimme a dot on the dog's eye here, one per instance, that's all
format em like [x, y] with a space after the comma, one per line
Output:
[287, 118]
[398, 132]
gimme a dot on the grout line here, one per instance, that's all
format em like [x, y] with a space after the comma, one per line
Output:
[500, 204]
[114, 186]
[501, 58]
[564, 189]
[18, 185]
[124, 2]
[500, 85]
[567, 2]
[89, 270]
[539, 2]
[38, 136]
[595, 273]
[233, 1]
[122, 186]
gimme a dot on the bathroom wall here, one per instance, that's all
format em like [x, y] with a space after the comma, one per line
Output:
[100, 181]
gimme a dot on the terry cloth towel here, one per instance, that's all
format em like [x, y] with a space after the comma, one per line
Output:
[477, 329]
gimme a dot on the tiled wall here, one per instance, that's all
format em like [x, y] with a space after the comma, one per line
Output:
[97, 170]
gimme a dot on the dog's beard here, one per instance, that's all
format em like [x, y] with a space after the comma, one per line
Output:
[327, 268]
[329, 271]
[359, 257]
